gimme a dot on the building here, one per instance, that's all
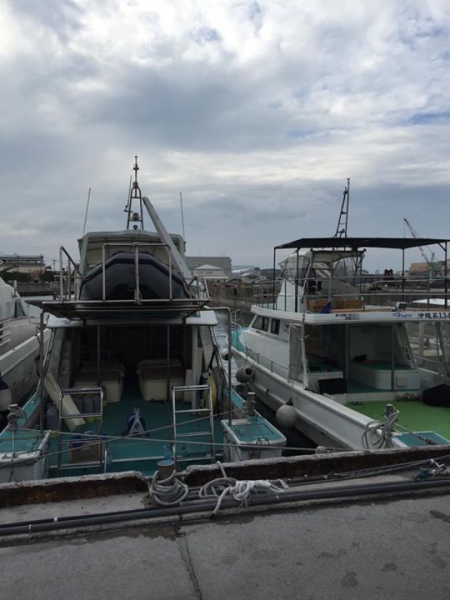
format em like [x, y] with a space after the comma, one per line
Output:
[425, 269]
[22, 263]
[223, 262]
[210, 272]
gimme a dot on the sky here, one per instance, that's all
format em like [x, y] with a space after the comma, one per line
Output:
[256, 111]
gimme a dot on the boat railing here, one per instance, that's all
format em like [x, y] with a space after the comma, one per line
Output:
[358, 293]
[268, 363]
[201, 404]
[69, 276]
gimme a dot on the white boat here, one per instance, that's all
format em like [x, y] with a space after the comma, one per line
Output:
[343, 360]
[19, 350]
[133, 379]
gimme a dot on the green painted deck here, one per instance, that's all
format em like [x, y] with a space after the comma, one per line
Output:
[414, 415]
[141, 453]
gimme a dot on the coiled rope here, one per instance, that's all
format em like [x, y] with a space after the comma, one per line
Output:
[372, 438]
[240, 491]
[169, 491]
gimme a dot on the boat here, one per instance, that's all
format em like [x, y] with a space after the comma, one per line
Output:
[133, 378]
[350, 364]
[19, 350]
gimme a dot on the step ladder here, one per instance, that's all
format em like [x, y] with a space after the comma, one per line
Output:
[197, 412]
[86, 451]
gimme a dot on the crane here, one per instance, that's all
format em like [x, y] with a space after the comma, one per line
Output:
[431, 260]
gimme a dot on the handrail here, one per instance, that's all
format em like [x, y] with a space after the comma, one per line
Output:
[71, 264]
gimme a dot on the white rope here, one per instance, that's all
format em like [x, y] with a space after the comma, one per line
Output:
[240, 491]
[169, 491]
[371, 438]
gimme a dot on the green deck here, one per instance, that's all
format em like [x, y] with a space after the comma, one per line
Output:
[414, 415]
[140, 453]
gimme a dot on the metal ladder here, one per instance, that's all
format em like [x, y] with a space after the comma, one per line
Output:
[98, 448]
[206, 411]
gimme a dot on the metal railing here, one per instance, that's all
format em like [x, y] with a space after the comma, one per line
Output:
[208, 410]
[368, 291]
[70, 277]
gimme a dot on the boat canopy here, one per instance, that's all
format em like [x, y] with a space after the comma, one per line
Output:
[354, 243]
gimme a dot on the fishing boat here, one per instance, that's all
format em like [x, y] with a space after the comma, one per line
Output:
[350, 362]
[133, 378]
[19, 350]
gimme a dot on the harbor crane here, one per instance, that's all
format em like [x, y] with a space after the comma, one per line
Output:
[431, 260]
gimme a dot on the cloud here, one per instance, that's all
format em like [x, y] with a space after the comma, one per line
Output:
[257, 111]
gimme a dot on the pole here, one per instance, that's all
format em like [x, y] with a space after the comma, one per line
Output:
[41, 372]
[87, 210]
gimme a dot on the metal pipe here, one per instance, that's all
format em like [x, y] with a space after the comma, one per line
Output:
[137, 291]
[274, 278]
[61, 269]
[103, 272]
[41, 371]
[377, 489]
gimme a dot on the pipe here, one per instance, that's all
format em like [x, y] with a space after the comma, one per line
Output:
[44, 525]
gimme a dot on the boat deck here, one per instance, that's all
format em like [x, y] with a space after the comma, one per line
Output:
[138, 452]
[432, 423]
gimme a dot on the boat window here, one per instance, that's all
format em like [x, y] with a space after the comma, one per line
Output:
[261, 323]
[275, 326]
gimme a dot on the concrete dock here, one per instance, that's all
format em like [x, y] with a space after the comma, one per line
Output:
[397, 547]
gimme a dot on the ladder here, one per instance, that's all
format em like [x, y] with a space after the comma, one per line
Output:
[82, 451]
[197, 412]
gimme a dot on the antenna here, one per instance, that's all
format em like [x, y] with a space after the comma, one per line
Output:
[182, 216]
[128, 195]
[341, 230]
[87, 210]
[135, 194]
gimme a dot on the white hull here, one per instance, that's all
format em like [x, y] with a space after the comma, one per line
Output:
[18, 367]
[321, 419]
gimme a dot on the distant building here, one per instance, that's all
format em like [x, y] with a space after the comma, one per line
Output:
[210, 273]
[22, 263]
[223, 262]
[424, 269]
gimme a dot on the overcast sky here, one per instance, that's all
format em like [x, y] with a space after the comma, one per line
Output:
[257, 111]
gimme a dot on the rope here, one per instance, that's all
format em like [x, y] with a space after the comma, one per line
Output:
[372, 439]
[169, 491]
[240, 491]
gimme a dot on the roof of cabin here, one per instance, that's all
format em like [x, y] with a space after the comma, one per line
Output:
[399, 243]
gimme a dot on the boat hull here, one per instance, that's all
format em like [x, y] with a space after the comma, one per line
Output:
[19, 369]
[321, 419]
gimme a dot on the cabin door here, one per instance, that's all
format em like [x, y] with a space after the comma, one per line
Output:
[298, 365]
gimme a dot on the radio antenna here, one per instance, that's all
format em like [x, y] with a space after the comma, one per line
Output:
[87, 210]
[182, 216]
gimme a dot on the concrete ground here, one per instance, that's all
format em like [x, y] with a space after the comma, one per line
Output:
[397, 549]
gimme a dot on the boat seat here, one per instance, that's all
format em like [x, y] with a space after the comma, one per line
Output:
[111, 381]
[152, 374]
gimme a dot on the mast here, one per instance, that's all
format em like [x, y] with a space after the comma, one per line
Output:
[341, 230]
[135, 219]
